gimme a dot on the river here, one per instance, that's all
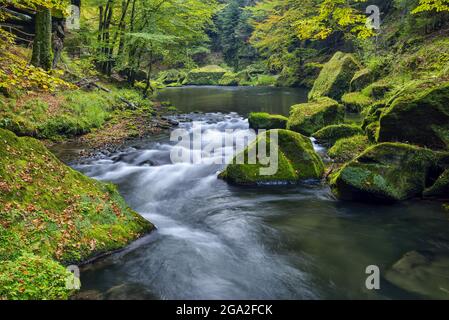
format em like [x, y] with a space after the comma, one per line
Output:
[216, 241]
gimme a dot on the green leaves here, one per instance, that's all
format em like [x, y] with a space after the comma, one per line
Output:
[432, 5]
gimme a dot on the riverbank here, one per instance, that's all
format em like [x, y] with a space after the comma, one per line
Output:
[51, 215]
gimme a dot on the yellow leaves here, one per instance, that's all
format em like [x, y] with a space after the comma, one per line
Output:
[432, 5]
[16, 74]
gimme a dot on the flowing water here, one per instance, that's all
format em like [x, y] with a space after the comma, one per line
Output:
[216, 241]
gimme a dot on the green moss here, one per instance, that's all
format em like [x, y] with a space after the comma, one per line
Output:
[265, 80]
[307, 118]
[263, 120]
[30, 277]
[355, 101]
[297, 161]
[419, 115]
[361, 79]
[335, 77]
[172, 77]
[372, 131]
[373, 113]
[348, 148]
[378, 90]
[49, 210]
[208, 75]
[386, 172]
[330, 134]
[229, 79]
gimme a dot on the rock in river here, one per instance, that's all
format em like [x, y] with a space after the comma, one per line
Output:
[297, 160]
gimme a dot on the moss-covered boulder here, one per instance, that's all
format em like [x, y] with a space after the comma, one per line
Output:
[330, 134]
[379, 90]
[335, 77]
[355, 102]
[297, 160]
[440, 189]
[385, 172]
[50, 216]
[307, 118]
[373, 113]
[171, 77]
[208, 75]
[425, 273]
[263, 120]
[420, 116]
[347, 149]
[361, 79]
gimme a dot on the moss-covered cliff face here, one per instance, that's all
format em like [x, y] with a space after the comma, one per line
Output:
[50, 216]
[297, 160]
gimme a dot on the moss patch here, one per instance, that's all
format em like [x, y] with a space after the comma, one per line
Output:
[347, 149]
[330, 134]
[297, 161]
[208, 75]
[308, 118]
[69, 113]
[361, 79]
[440, 188]
[355, 101]
[386, 172]
[335, 77]
[53, 212]
[419, 115]
[263, 120]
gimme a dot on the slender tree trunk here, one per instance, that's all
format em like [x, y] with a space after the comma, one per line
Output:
[42, 52]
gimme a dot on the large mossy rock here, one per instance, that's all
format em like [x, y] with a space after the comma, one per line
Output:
[361, 79]
[385, 172]
[419, 115]
[52, 215]
[263, 120]
[307, 118]
[423, 273]
[297, 160]
[335, 77]
[208, 75]
[171, 77]
[347, 149]
[330, 134]
[356, 102]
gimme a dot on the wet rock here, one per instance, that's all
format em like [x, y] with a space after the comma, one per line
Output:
[424, 273]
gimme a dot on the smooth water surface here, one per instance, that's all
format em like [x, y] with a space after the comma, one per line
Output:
[242, 100]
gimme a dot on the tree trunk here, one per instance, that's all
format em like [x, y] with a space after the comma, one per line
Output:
[42, 51]
[148, 79]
